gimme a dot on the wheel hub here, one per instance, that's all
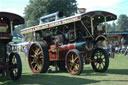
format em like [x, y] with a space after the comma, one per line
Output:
[36, 59]
[72, 61]
[99, 60]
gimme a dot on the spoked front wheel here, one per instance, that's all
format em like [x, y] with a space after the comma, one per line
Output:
[74, 62]
[100, 60]
[15, 66]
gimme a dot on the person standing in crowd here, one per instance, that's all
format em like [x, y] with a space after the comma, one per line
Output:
[26, 51]
[126, 52]
[113, 51]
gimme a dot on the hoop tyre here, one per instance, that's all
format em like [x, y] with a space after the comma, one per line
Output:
[74, 62]
[38, 58]
[15, 69]
[100, 60]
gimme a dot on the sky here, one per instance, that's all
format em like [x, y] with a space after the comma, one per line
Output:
[14, 6]
[115, 6]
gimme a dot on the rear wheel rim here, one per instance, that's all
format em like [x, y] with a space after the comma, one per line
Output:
[35, 58]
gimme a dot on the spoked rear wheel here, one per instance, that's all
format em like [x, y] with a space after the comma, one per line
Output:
[100, 60]
[74, 62]
[38, 58]
[15, 66]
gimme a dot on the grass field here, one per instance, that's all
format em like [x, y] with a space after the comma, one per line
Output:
[117, 74]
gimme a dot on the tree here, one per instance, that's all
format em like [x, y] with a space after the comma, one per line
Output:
[122, 23]
[38, 8]
[113, 26]
[108, 27]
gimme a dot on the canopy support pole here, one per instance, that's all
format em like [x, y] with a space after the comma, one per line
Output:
[105, 25]
[34, 36]
[75, 30]
[92, 27]
[11, 23]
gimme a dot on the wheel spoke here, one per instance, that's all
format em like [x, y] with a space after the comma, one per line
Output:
[32, 63]
[35, 66]
[33, 51]
[34, 60]
[39, 53]
[32, 56]
[37, 50]
[75, 58]
[40, 56]
[71, 66]
[99, 66]
[97, 55]
[14, 61]
[15, 72]
[77, 61]
[101, 54]
[96, 64]
[103, 57]
[72, 57]
[103, 64]
[40, 61]
[38, 66]
[76, 67]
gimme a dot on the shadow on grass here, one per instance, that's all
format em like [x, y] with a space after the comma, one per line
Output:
[50, 79]
[118, 71]
[117, 80]
[43, 79]
[90, 72]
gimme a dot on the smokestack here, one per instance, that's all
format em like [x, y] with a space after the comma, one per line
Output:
[81, 10]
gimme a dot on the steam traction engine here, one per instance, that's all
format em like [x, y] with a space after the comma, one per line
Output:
[10, 64]
[69, 42]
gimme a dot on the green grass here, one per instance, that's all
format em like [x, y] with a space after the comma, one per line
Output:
[117, 74]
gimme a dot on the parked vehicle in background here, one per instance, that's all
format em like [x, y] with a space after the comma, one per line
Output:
[10, 64]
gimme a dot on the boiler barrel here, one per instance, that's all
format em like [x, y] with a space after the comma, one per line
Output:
[77, 45]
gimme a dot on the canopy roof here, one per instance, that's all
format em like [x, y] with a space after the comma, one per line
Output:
[99, 16]
[109, 16]
[12, 17]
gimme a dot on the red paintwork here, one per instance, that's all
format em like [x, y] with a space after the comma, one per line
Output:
[68, 46]
[62, 51]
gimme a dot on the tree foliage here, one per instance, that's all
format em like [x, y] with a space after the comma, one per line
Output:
[38, 8]
[122, 23]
